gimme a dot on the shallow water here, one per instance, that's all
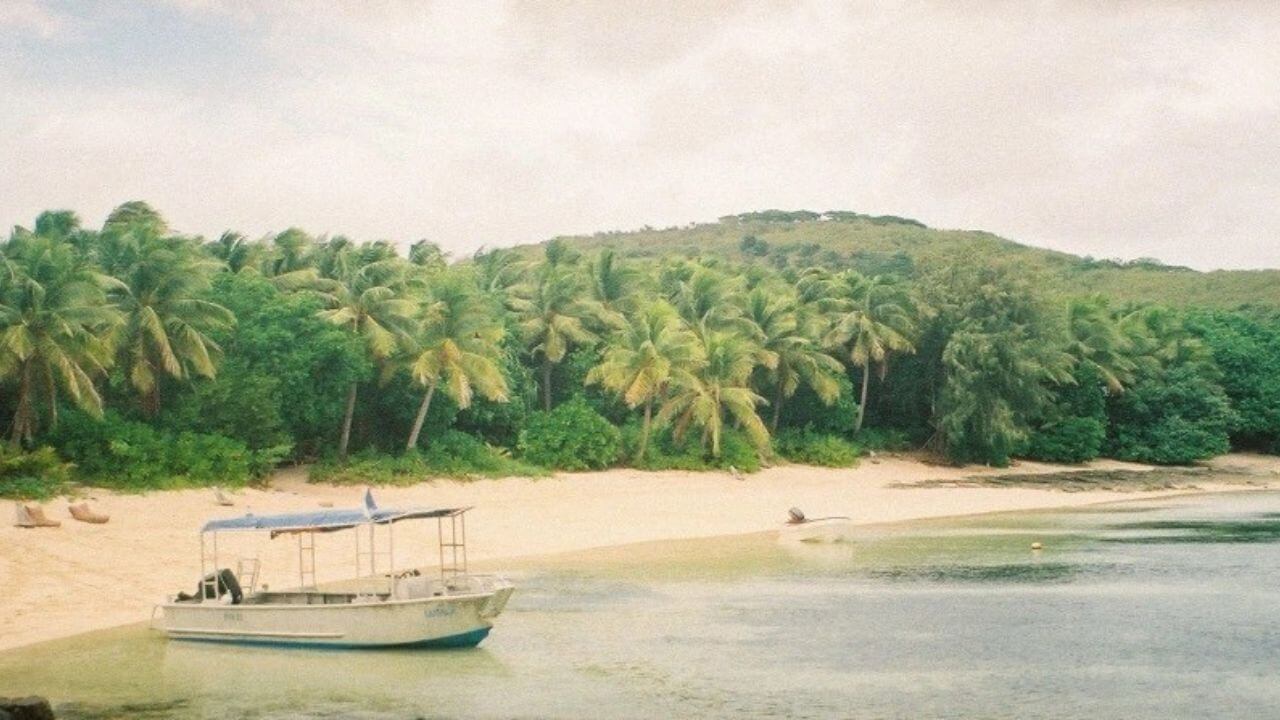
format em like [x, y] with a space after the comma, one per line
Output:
[1132, 610]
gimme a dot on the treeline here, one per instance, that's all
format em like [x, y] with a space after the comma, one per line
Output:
[133, 356]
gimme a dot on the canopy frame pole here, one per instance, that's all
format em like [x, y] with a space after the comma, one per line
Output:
[209, 567]
[306, 560]
[391, 558]
[373, 550]
[440, 544]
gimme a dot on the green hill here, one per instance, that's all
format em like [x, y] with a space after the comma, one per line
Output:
[883, 244]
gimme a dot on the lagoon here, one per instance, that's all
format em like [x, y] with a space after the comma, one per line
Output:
[1151, 609]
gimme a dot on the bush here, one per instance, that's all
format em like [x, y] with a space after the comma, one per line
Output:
[882, 439]
[453, 454]
[665, 453]
[812, 448]
[1069, 440]
[118, 453]
[37, 474]
[570, 437]
[1173, 418]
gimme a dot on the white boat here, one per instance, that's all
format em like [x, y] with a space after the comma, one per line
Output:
[387, 609]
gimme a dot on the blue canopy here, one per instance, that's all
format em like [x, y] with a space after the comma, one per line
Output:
[326, 520]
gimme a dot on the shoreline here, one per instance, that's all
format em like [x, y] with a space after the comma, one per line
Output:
[79, 578]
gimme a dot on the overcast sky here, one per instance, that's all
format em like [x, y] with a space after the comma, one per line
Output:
[1112, 129]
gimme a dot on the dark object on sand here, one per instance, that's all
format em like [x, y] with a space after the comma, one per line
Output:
[795, 516]
[27, 708]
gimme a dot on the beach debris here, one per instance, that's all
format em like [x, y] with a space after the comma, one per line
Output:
[1037, 546]
[27, 708]
[795, 516]
[32, 516]
[326, 503]
[734, 472]
[84, 514]
[221, 497]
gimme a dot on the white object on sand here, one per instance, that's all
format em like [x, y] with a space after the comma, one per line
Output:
[221, 497]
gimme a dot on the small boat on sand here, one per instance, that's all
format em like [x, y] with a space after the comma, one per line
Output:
[390, 608]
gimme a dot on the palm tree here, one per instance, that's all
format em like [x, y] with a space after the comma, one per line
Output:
[367, 301]
[54, 328]
[1158, 339]
[166, 324]
[642, 359]
[1095, 341]
[502, 274]
[709, 300]
[718, 391]
[786, 333]
[555, 316]
[235, 251]
[426, 254]
[457, 345]
[872, 319]
[612, 282]
[291, 251]
[135, 215]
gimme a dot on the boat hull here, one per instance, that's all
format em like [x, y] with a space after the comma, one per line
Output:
[448, 621]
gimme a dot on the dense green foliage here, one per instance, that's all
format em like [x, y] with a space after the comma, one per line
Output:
[147, 358]
[36, 474]
[573, 436]
[811, 448]
[118, 453]
[452, 454]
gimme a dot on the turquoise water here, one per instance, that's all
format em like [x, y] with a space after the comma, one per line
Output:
[1139, 610]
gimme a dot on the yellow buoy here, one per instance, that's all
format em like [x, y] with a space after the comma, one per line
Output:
[1036, 546]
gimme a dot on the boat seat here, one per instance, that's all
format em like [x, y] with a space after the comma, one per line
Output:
[226, 584]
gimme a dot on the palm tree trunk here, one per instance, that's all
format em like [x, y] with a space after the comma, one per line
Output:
[862, 403]
[53, 402]
[777, 410]
[546, 385]
[346, 422]
[22, 413]
[644, 433]
[422, 416]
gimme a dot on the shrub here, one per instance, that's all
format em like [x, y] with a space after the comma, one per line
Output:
[665, 453]
[118, 453]
[882, 439]
[452, 454]
[1069, 440]
[37, 474]
[570, 437]
[736, 451]
[812, 448]
[1173, 418]
[458, 454]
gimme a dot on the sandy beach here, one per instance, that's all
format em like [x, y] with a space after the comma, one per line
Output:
[79, 577]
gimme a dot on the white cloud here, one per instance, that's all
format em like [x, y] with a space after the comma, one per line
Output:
[1138, 130]
[31, 16]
